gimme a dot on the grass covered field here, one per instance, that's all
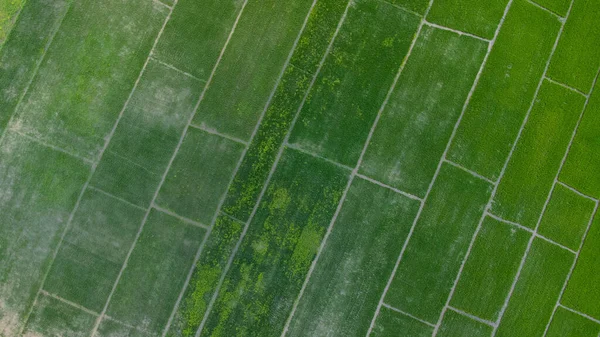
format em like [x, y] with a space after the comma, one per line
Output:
[186, 168]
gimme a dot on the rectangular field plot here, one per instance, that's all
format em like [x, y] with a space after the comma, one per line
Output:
[530, 173]
[39, 188]
[455, 324]
[148, 133]
[490, 269]
[438, 245]
[88, 72]
[51, 317]
[354, 81]
[505, 90]
[155, 273]
[419, 117]
[536, 291]
[251, 66]
[566, 323]
[94, 249]
[199, 175]
[389, 323]
[356, 263]
[480, 18]
[282, 239]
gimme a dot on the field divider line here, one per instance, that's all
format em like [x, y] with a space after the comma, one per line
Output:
[508, 222]
[537, 235]
[35, 69]
[158, 2]
[562, 163]
[456, 31]
[69, 303]
[576, 191]
[376, 182]
[99, 190]
[440, 163]
[52, 147]
[595, 320]
[565, 86]
[298, 148]
[471, 172]
[172, 67]
[408, 315]
[132, 162]
[220, 134]
[91, 174]
[127, 325]
[471, 316]
[179, 217]
[401, 8]
[15, 21]
[556, 15]
[564, 287]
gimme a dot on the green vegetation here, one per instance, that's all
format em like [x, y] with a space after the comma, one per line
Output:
[418, 6]
[416, 125]
[9, 10]
[568, 324]
[354, 81]
[51, 317]
[505, 90]
[389, 323]
[111, 328]
[490, 270]
[530, 174]
[455, 324]
[480, 18]
[559, 7]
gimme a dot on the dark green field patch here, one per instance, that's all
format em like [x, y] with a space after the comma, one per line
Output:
[277, 251]
[51, 317]
[251, 66]
[505, 90]
[39, 188]
[477, 17]
[530, 173]
[439, 243]
[199, 175]
[390, 323]
[355, 265]
[148, 133]
[354, 81]
[536, 291]
[419, 118]
[9, 11]
[490, 269]
[94, 249]
[566, 217]
[569, 324]
[155, 273]
[455, 324]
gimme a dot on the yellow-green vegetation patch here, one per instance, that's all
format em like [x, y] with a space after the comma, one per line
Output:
[530, 173]
[88, 73]
[389, 323]
[38, 190]
[581, 294]
[94, 249]
[505, 91]
[480, 18]
[490, 269]
[9, 11]
[148, 133]
[418, 6]
[51, 317]
[455, 324]
[418, 120]
[199, 175]
[251, 66]
[155, 273]
[353, 83]
[536, 291]
[438, 244]
[566, 217]
[282, 239]
[566, 323]
[249, 180]
[355, 265]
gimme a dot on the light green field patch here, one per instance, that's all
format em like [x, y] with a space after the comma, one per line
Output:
[559, 7]
[417, 122]
[490, 269]
[580, 295]
[251, 66]
[536, 291]
[94, 249]
[38, 20]
[455, 324]
[566, 217]
[354, 81]
[480, 18]
[155, 273]
[345, 287]
[111, 328]
[9, 11]
[505, 90]
[390, 323]
[88, 72]
[438, 245]
[199, 175]
[569, 324]
[262, 284]
[576, 60]
[530, 173]
[583, 161]
[223, 238]
[147, 134]
[51, 317]
[38, 189]
[195, 34]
